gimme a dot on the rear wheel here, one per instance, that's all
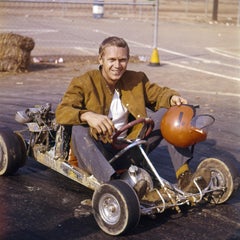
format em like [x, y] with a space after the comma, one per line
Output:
[116, 207]
[23, 147]
[11, 152]
[225, 179]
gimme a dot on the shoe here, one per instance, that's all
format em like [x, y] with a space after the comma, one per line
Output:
[186, 180]
[141, 188]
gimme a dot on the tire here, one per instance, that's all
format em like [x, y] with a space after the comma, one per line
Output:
[10, 152]
[116, 207]
[224, 175]
[23, 147]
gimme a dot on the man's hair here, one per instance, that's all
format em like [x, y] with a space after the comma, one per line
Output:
[113, 41]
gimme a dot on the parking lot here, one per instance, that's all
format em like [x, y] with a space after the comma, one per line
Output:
[200, 60]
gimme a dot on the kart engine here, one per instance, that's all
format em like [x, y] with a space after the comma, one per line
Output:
[41, 124]
[38, 119]
[135, 174]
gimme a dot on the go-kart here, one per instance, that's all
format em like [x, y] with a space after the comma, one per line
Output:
[117, 206]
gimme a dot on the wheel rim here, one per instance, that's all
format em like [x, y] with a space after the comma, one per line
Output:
[109, 209]
[218, 178]
[219, 181]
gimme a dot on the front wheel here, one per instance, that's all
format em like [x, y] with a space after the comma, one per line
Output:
[116, 207]
[11, 154]
[224, 179]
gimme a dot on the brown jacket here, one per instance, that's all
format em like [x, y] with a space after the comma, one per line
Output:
[89, 92]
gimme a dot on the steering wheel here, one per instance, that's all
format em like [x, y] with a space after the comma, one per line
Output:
[148, 127]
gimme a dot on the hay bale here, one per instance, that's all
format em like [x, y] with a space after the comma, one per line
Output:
[15, 52]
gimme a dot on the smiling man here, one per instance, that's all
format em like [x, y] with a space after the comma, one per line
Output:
[101, 101]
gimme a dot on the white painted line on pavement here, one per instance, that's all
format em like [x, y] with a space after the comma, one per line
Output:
[186, 56]
[203, 71]
[224, 53]
[207, 61]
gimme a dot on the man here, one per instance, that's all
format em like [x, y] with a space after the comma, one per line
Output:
[106, 99]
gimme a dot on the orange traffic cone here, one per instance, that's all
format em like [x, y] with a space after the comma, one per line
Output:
[154, 61]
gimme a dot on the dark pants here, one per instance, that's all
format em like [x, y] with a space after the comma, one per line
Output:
[93, 155]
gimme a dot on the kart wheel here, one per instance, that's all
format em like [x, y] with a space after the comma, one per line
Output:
[116, 207]
[10, 152]
[224, 175]
[23, 147]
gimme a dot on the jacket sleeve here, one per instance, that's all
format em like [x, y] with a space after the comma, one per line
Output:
[71, 106]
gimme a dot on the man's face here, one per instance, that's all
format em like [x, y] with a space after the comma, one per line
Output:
[114, 63]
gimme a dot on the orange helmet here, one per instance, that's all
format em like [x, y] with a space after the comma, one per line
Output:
[181, 128]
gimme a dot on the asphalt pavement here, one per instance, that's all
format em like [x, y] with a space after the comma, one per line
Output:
[199, 60]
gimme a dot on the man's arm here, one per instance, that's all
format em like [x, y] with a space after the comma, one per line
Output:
[101, 123]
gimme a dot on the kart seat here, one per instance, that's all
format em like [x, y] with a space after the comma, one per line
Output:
[63, 145]
[62, 141]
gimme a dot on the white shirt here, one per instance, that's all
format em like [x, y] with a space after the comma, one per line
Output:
[118, 113]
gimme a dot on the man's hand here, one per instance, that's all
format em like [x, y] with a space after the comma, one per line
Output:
[177, 100]
[101, 123]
